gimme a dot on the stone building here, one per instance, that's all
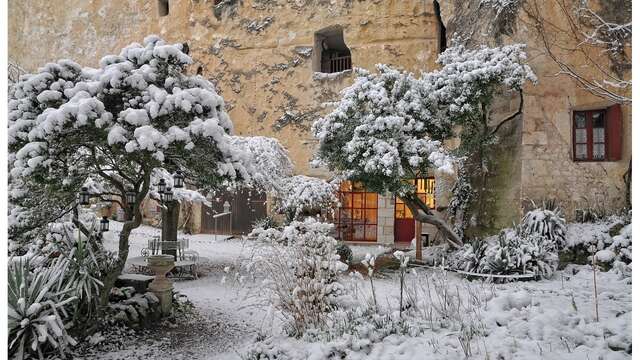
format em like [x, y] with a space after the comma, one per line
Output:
[280, 63]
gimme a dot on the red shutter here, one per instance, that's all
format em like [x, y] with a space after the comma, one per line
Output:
[614, 132]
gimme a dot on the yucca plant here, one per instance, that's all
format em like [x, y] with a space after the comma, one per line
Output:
[84, 269]
[37, 301]
[546, 221]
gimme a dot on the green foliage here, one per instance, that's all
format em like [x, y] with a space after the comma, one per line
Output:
[37, 309]
[344, 251]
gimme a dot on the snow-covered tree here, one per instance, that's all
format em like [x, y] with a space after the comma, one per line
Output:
[389, 126]
[137, 115]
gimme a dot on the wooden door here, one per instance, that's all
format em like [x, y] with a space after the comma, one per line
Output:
[403, 225]
[246, 207]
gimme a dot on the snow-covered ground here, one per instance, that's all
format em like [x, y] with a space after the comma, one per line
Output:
[547, 319]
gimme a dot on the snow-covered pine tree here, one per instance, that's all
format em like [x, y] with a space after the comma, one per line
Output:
[136, 117]
[389, 126]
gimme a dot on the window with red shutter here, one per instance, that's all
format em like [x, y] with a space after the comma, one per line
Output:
[597, 134]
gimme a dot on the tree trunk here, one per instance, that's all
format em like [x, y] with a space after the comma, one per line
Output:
[627, 183]
[422, 213]
[134, 214]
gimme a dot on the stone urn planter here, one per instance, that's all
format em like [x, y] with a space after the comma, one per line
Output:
[161, 286]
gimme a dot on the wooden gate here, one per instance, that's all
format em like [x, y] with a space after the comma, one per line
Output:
[246, 207]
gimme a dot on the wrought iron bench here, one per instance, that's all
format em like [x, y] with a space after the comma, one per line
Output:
[186, 261]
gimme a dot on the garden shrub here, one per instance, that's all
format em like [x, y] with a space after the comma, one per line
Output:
[38, 303]
[300, 268]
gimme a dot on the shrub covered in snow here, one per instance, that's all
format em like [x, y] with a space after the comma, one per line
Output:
[38, 314]
[303, 195]
[547, 222]
[611, 239]
[344, 252]
[300, 267]
[512, 252]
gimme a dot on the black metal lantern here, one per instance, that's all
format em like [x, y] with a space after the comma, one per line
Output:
[84, 196]
[131, 197]
[104, 224]
[167, 196]
[178, 180]
[162, 186]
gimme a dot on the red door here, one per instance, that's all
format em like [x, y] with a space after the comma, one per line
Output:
[403, 224]
[404, 228]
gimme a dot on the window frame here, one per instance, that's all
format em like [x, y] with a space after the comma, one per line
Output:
[351, 222]
[399, 205]
[588, 114]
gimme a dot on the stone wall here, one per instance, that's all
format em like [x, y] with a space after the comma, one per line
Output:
[534, 161]
[259, 53]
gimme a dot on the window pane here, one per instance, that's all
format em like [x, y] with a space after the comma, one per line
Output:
[598, 135]
[580, 121]
[358, 233]
[371, 200]
[345, 214]
[371, 232]
[371, 216]
[598, 120]
[346, 200]
[598, 151]
[358, 200]
[581, 151]
[357, 214]
[581, 136]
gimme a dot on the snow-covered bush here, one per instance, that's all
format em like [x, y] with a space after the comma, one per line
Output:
[520, 253]
[38, 317]
[344, 252]
[303, 195]
[88, 262]
[471, 257]
[300, 267]
[512, 252]
[612, 240]
[547, 222]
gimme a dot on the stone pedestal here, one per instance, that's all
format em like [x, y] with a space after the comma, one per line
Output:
[161, 286]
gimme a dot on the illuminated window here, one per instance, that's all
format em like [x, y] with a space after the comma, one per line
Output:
[358, 213]
[426, 190]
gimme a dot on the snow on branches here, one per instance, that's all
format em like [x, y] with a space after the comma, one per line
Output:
[138, 108]
[389, 125]
[381, 130]
[303, 194]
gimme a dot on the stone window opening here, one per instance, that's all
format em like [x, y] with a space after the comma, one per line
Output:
[597, 134]
[331, 54]
[163, 7]
[442, 30]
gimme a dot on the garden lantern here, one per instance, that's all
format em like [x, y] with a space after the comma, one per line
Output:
[167, 196]
[162, 186]
[104, 224]
[131, 197]
[84, 196]
[178, 180]
[226, 207]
